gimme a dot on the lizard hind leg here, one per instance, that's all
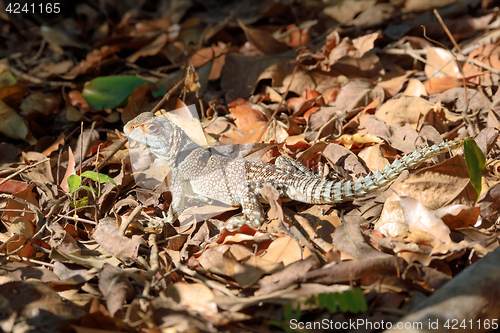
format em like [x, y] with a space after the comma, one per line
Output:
[291, 165]
[253, 214]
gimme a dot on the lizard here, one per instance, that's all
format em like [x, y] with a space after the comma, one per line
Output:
[236, 181]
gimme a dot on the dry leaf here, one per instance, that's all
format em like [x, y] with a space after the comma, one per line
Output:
[403, 110]
[440, 62]
[12, 125]
[150, 49]
[286, 250]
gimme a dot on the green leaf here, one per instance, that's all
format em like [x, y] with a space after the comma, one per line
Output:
[285, 327]
[297, 312]
[74, 182]
[108, 92]
[159, 93]
[100, 177]
[476, 163]
[328, 301]
[90, 189]
[288, 312]
[80, 202]
[344, 302]
[359, 300]
[7, 79]
[352, 301]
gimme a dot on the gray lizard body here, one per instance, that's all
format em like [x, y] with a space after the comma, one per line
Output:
[237, 182]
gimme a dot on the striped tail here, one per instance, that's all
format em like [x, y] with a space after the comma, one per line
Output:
[317, 191]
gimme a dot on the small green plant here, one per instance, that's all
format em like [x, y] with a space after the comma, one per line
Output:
[352, 301]
[476, 163]
[289, 314]
[75, 181]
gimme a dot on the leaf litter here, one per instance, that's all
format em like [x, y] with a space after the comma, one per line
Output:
[344, 88]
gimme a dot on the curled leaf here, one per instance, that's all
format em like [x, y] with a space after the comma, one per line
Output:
[476, 163]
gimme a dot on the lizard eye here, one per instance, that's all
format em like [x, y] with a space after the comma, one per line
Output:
[152, 128]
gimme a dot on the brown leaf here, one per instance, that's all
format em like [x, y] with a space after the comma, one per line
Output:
[285, 277]
[16, 271]
[286, 250]
[219, 260]
[151, 49]
[24, 230]
[115, 287]
[469, 296]
[340, 156]
[419, 217]
[375, 15]
[93, 58]
[440, 62]
[212, 53]
[353, 270]
[69, 171]
[416, 5]
[489, 204]
[458, 216]
[42, 172]
[137, 103]
[49, 68]
[443, 184]
[15, 208]
[12, 125]
[349, 238]
[424, 192]
[488, 54]
[241, 74]
[263, 40]
[403, 110]
[38, 304]
[373, 157]
[334, 49]
[12, 186]
[244, 113]
[76, 99]
[62, 241]
[343, 12]
[394, 85]
[107, 235]
[13, 94]
[196, 296]
[415, 88]
[441, 84]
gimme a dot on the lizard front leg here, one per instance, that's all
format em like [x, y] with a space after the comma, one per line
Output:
[178, 189]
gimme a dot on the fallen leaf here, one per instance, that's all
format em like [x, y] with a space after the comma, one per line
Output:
[12, 125]
[440, 62]
[107, 235]
[196, 296]
[151, 49]
[286, 250]
[415, 88]
[115, 287]
[403, 110]
[49, 68]
[263, 40]
[244, 113]
[489, 55]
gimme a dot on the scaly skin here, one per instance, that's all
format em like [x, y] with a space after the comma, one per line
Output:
[237, 181]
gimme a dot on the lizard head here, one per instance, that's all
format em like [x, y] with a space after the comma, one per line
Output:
[161, 136]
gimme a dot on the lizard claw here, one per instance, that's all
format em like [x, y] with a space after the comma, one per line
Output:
[156, 222]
